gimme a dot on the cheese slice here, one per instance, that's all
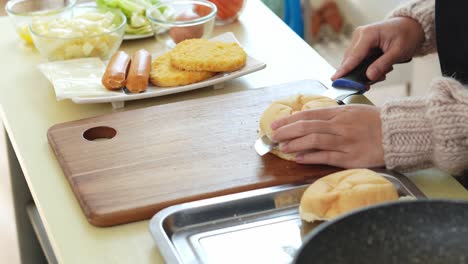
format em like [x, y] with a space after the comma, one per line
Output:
[77, 78]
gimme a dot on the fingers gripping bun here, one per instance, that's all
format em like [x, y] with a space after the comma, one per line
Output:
[286, 107]
[344, 191]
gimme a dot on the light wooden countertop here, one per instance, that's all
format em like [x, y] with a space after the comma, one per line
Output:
[29, 108]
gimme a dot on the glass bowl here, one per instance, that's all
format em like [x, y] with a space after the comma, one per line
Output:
[22, 12]
[89, 32]
[228, 10]
[175, 21]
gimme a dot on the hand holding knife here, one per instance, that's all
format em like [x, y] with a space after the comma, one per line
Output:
[353, 83]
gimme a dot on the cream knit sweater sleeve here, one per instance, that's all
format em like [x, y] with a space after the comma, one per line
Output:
[428, 131]
[422, 11]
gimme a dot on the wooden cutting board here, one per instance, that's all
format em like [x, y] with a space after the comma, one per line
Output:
[173, 153]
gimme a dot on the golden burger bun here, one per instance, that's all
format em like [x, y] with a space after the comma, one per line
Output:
[286, 107]
[344, 191]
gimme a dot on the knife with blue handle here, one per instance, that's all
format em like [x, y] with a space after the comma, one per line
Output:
[353, 83]
[356, 81]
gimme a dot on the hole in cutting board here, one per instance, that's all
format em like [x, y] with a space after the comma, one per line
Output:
[99, 133]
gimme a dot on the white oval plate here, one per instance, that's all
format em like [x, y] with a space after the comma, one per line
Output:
[118, 99]
[131, 37]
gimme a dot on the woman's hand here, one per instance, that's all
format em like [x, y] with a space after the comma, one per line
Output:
[399, 38]
[345, 136]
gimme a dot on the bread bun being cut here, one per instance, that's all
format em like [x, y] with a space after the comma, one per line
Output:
[286, 107]
[344, 191]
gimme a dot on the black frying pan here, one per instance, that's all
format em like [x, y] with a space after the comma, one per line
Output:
[420, 231]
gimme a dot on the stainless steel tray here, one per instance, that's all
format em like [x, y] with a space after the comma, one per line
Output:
[260, 226]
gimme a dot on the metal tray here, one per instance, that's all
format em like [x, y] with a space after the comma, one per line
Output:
[260, 226]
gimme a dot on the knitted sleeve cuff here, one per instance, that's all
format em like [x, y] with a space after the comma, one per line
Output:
[406, 135]
[428, 131]
[422, 11]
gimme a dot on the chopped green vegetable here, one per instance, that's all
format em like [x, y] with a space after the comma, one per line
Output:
[135, 11]
[138, 30]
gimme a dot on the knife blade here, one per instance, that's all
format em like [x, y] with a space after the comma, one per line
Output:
[263, 145]
[353, 83]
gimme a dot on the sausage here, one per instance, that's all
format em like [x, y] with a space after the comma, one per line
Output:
[116, 71]
[138, 74]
